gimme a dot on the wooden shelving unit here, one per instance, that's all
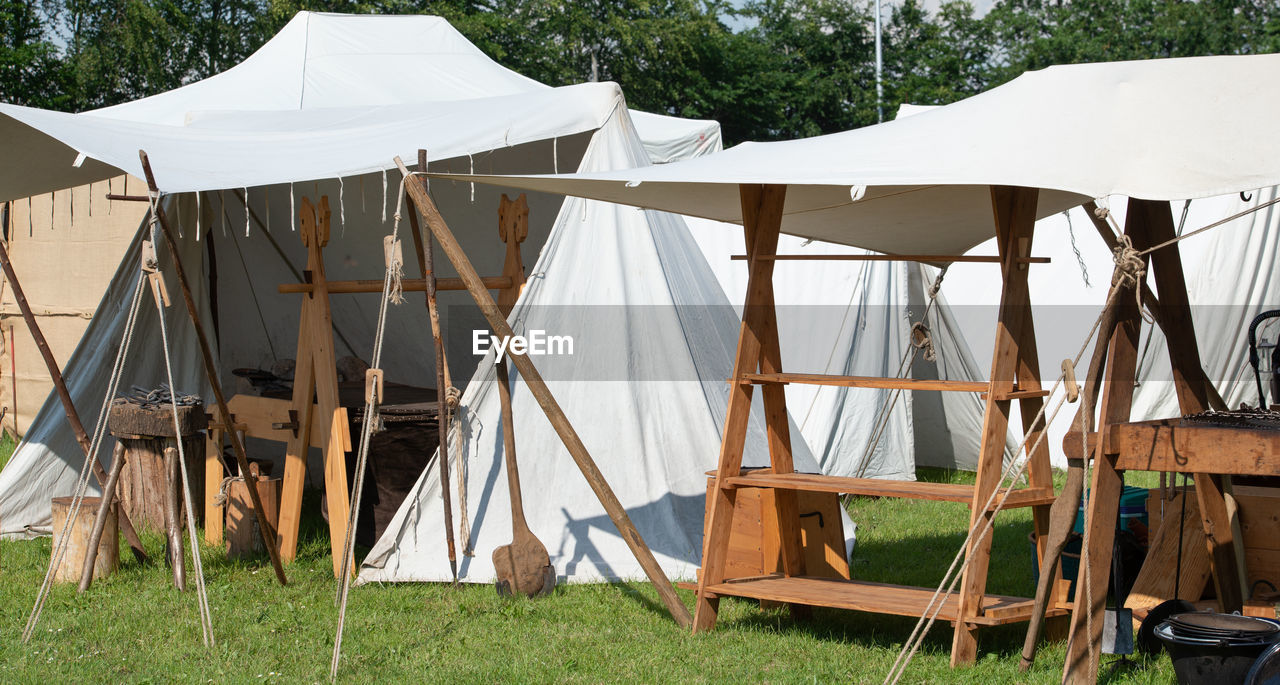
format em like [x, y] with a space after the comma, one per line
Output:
[1014, 377]
[876, 598]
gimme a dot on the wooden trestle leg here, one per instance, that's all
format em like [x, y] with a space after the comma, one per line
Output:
[1148, 223]
[757, 349]
[315, 376]
[1014, 210]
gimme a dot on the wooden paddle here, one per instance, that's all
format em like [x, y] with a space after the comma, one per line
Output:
[522, 566]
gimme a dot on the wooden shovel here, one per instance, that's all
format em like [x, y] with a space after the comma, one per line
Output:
[522, 566]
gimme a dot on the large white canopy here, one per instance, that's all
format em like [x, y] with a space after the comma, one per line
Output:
[415, 83]
[1157, 129]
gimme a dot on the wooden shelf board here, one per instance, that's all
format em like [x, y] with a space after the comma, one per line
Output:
[866, 381]
[877, 598]
[875, 487]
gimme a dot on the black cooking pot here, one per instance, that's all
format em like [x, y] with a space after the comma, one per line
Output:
[1216, 650]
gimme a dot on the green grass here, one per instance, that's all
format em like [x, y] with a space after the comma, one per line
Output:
[7, 446]
[134, 627]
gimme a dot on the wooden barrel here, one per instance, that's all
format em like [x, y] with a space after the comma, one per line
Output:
[242, 536]
[78, 542]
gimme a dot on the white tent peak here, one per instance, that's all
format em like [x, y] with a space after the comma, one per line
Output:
[329, 96]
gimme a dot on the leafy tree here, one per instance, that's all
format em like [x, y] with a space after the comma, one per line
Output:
[31, 72]
[934, 60]
[826, 53]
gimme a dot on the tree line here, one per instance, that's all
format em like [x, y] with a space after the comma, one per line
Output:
[766, 69]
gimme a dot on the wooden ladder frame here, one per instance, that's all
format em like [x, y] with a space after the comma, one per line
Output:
[1014, 376]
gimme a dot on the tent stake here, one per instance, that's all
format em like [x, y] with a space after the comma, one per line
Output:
[251, 482]
[425, 252]
[73, 417]
[538, 388]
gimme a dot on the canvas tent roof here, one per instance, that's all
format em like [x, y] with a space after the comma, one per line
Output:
[369, 88]
[619, 256]
[918, 185]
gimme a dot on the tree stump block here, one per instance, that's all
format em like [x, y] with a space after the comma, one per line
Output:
[243, 538]
[145, 432]
[78, 539]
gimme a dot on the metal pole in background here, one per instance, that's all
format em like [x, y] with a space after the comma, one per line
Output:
[879, 70]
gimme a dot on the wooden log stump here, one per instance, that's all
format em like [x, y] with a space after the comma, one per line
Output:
[242, 535]
[78, 543]
[145, 433]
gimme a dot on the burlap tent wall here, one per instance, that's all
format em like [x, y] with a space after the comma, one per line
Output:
[47, 233]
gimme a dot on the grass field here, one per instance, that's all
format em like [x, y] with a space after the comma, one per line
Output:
[133, 627]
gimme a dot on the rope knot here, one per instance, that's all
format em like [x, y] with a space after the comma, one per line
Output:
[1131, 268]
[937, 282]
[921, 340]
[221, 498]
[1101, 212]
[452, 397]
[1130, 271]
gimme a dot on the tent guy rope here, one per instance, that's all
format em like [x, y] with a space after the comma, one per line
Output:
[99, 430]
[373, 391]
[202, 596]
[1011, 473]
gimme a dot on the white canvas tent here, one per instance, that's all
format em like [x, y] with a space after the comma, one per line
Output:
[315, 112]
[855, 318]
[919, 185]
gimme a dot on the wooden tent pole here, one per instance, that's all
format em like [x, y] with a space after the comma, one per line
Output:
[1191, 385]
[265, 529]
[1062, 514]
[538, 388]
[69, 407]
[425, 253]
[1105, 489]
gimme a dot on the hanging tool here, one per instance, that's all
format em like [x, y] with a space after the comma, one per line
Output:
[522, 566]
[1253, 358]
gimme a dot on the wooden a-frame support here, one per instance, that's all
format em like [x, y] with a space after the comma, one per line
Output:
[542, 394]
[1015, 375]
[1148, 223]
[324, 423]
[315, 379]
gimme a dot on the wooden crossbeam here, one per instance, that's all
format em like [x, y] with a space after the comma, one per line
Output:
[923, 258]
[408, 285]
